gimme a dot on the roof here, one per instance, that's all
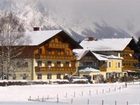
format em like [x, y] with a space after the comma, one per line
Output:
[89, 69]
[106, 57]
[37, 37]
[110, 44]
[100, 57]
[40, 37]
[80, 53]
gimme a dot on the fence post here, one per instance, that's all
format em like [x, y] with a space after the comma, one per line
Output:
[38, 99]
[57, 99]
[115, 102]
[127, 103]
[66, 95]
[102, 102]
[109, 90]
[82, 93]
[47, 97]
[30, 98]
[88, 101]
[71, 101]
[89, 92]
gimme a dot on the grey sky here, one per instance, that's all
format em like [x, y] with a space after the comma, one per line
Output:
[83, 14]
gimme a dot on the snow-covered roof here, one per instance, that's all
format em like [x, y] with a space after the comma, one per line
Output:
[114, 57]
[89, 69]
[105, 57]
[38, 37]
[100, 57]
[112, 44]
[80, 53]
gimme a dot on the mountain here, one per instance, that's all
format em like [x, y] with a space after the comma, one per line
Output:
[80, 18]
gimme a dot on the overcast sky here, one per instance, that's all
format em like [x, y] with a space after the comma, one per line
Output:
[81, 14]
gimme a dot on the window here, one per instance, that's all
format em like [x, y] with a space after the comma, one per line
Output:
[39, 63]
[49, 63]
[58, 51]
[67, 64]
[49, 76]
[58, 76]
[39, 76]
[88, 63]
[49, 51]
[118, 75]
[109, 64]
[119, 64]
[108, 75]
[58, 64]
[24, 76]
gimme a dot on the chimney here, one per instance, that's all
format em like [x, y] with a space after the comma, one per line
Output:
[36, 28]
[91, 39]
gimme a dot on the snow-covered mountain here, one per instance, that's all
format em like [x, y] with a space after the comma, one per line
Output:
[80, 18]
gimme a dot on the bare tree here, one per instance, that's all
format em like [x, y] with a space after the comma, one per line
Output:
[11, 37]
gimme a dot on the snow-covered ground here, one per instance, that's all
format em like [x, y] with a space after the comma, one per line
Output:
[74, 94]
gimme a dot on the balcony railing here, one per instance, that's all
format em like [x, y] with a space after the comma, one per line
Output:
[55, 69]
[61, 57]
[64, 57]
[58, 45]
[40, 56]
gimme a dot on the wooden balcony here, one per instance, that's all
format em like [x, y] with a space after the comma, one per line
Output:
[130, 60]
[56, 69]
[54, 45]
[61, 57]
[39, 56]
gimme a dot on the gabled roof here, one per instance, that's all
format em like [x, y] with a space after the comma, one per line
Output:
[80, 53]
[41, 37]
[112, 44]
[105, 57]
[100, 57]
[37, 37]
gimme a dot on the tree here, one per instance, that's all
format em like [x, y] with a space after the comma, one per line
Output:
[11, 36]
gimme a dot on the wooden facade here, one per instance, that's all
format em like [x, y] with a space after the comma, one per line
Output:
[54, 58]
[129, 61]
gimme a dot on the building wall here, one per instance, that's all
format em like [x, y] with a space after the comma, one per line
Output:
[114, 65]
[22, 69]
[129, 61]
[114, 68]
[54, 57]
[88, 61]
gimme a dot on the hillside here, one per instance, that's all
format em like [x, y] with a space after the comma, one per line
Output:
[101, 19]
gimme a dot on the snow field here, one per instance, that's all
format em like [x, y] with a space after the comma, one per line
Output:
[74, 94]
